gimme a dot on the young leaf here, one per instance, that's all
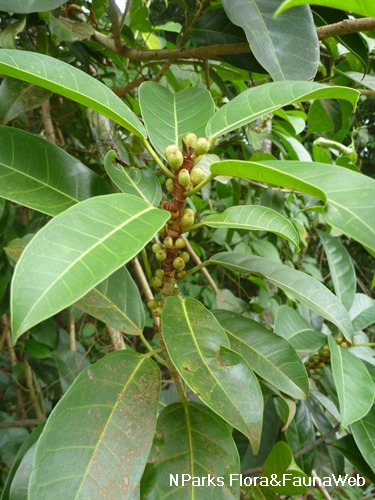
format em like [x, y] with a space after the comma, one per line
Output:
[199, 348]
[39, 175]
[341, 267]
[77, 250]
[191, 440]
[355, 393]
[64, 79]
[262, 100]
[299, 434]
[95, 428]
[131, 180]
[297, 57]
[349, 196]
[361, 7]
[364, 435]
[299, 285]
[269, 356]
[170, 116]
[254, 218]
[117, 302]
[22, 7]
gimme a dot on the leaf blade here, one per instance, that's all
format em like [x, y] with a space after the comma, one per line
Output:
[358, 6]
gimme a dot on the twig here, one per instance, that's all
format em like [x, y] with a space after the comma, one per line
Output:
[30, 422]
[20, 411]
[141, 277]
[198, 261]
[116, 338]
[346, 27]
[116, 28]
[30, 386]
[72, 332]
[321, 487]
[47, 122]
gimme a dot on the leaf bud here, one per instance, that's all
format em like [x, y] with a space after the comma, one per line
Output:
[190, 140]
[161, 255]
[202, 146]
[183, 177]
[152, 304]
[187, 220]
[180, 243]
[157, 312]
[156, 247]
[169, 185]
[168, 242]
[197, 175]
[159, 273]
[157, 282]
[179, 263]
[189, 187]
[185, 256]
[174, 156]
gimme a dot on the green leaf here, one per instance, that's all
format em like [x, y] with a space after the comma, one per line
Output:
[16, 97]
[341, 268]
[117, 302]
[8, 35]
[39, 175]
[349, 449]
[269, 356]
[349, 196]
[297, 331]
[263, 99]
[281, 462]
[287, 47]
[299, 285]
[364, 434]
[64, 79]
[362, 7]
[170, 116]
[95, 428]
[254, 218]
[131, 180]
[192, 440]
[363, 80]
[199, 348]
[364, 318]
[20, 483]
[77, 250]
[355, 393]
[22, 7]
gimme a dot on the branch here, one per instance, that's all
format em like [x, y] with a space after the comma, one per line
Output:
[214, 51]
[31, 422]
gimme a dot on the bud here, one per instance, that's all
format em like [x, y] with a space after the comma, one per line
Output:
[152, 304]
[157, 282]
[157, 312]
[185, 256]
[178, 263]
[197, 175]
[183, 177]
[156, 247]
[180, 243]
[189, 211]
[161, 255]
[168, 242]
[159, 273]
[189, 187]
[174, 156]
[187, 221]
[181, 274]
[190, 140]
[202, 146]
[169, 185]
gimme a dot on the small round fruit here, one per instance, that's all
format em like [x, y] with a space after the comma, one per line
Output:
[152, 304]
[169, 185]
[187, 220]
[161, 255]
[157, 312]
[174, 156]
[168, 242]
[181, 274]
[157, 282]
[197, 175]
[190, 140]
[202, 146]
[179, 263]
[184, 177]
[189, 211]
[180, 243]
[185, 256]
[159, 273]
[156, 247]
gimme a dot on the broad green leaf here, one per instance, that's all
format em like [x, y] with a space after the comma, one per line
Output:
[199, 348]
[95, 428]
[254, 218]
[8, 35]
[354, 385]
[269, 356]
[29, 6]
[117, 302]
[170, 116]
[362, 7]
[297, 331]
[191, 440]
[299, 285]
[39, 175]
[131, 180]
[62, 78]
[287, 47]
[16, 97]
[341, 268]
[364, 435]
[69, 364]
[300, 433]
[363, 80]
[349, 449]
[20, 483]
[364, 318]
[349, 196]
[263, 99]
[77, 250]
[281, 462]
